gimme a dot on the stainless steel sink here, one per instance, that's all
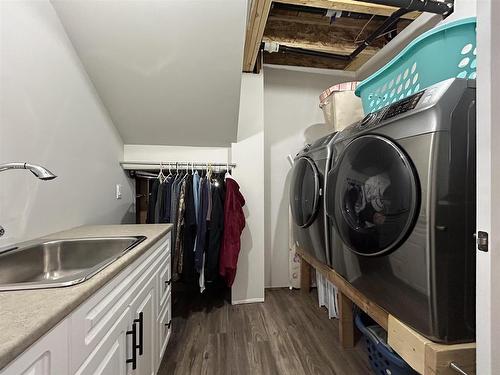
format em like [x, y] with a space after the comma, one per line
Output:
[58, 263]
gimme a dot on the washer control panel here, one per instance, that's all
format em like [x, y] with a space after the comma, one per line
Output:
[402, 106]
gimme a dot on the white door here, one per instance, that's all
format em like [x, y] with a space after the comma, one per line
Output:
[144, 314]
[111, 354]
[488, 187]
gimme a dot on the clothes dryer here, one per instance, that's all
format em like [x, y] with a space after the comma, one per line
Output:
[309, 229]
[401, 204]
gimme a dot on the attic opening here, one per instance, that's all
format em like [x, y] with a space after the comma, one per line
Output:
[343, 38]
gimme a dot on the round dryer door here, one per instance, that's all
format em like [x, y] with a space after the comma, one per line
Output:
[377, 196]
[304, 192]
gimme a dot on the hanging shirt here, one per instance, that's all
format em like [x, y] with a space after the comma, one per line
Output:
[215, 231]
[202, 226]
[173, 209]
[209, 197]
[158, 203]
[196, 192]
[179, 224]
[153, 188]
[234, 222]
[189, 232]
[164, 194]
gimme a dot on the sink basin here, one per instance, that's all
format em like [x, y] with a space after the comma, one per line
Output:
[58, 263]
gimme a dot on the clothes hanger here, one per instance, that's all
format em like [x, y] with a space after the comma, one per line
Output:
[227, 171]
[161, 176]
[209, 171]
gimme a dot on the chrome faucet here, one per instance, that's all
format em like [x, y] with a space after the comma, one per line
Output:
[41, 172]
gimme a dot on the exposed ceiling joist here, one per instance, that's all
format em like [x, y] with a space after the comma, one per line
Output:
[302, 60]
[255, 31]
[296, 24]
[351, 6]
[323, 38]
[361, 59]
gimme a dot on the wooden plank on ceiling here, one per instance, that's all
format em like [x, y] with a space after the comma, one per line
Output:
[325, 38]
[361, 59]
[255, 30]
[292, 59]
[351, 6]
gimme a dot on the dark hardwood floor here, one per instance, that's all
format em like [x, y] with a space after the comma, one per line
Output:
[287, 334]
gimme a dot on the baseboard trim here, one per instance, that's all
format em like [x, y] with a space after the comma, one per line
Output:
[250, 300]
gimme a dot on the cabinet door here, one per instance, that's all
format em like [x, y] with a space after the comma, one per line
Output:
[48, 356]
[143, 309]
[164, 328]
[111, 354]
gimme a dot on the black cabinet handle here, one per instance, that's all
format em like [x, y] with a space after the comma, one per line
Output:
[169, 324]
[168, 282]
[141, 332]
[133, 360]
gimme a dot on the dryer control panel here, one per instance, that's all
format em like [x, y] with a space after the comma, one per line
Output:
[403, 106]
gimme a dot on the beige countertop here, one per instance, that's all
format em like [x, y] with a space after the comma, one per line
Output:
[27, 315]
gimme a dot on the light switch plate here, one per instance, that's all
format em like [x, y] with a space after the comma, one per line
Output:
[118, 191]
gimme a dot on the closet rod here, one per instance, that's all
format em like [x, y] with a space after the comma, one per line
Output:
[177, 164]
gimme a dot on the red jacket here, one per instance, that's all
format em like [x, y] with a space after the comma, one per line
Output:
[234, 222]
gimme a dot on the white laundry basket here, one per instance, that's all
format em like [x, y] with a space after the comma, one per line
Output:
[341, 107]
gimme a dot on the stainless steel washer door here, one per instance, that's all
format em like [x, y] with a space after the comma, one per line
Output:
[304, 192]
[377, 196]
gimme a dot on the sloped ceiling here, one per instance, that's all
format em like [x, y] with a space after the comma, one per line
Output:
[168, 71]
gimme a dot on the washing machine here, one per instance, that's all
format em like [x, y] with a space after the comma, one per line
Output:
[307, 206]
[401, 203]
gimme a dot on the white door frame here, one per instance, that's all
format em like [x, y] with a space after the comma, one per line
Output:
[488, 187]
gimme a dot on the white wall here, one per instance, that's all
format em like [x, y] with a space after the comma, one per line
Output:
[168, 71]
[155, 153]
[248, 154]
[50, 114]
[462, 9]
[292, 118]
[488, 188]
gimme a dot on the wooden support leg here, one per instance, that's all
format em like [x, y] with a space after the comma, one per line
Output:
[347, 330]
[305, 276]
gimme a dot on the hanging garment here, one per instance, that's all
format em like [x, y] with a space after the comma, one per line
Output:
[173, 208]
[209, 197]
[234, 222]
[202, 226]
[215, 231]
[201, 278]
[178, 254]
[164, 194]
[196, 192]
[196, 197]
[153, 188]
[187, 272]
[207, 194]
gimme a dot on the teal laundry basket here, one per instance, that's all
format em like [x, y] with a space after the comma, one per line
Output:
[444, 52]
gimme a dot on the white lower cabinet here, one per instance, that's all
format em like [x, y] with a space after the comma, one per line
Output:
[123, 329]
[48, 356]
[109, 357]
[145, 315]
